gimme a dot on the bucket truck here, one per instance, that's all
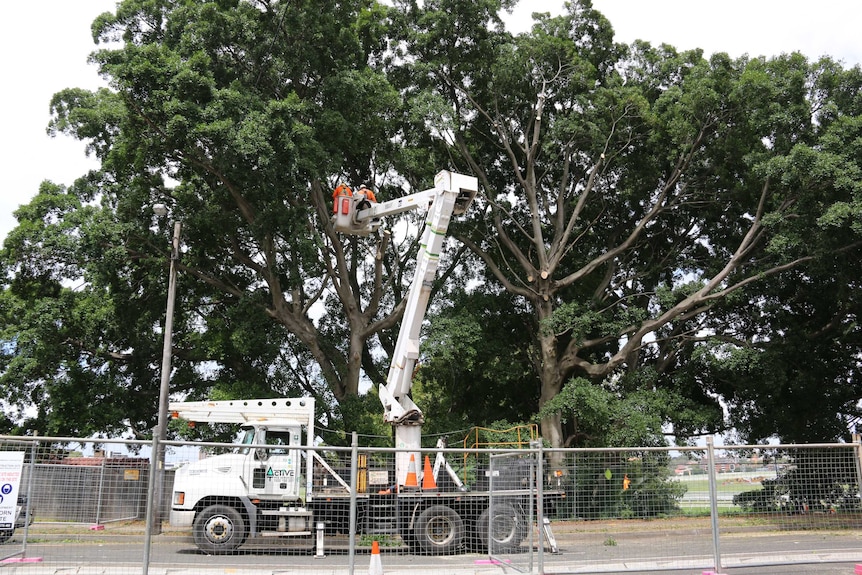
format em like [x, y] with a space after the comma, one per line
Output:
[281, 486]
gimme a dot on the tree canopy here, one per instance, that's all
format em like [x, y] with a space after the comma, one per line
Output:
[671, 236]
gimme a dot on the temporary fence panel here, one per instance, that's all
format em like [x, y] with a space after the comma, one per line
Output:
[507, 528]
[74, 488]
[634, 510]
[119, 484]
[789, 489]
[622, 512]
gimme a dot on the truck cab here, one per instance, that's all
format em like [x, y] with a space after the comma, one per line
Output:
[273, 471]
[260, 488]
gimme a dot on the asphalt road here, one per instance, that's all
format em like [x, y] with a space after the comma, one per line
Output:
[177, 555]
[673, 546]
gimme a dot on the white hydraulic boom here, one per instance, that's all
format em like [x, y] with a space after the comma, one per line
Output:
[452, 194]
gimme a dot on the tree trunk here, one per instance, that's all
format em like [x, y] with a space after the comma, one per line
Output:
[552, 384]
[552, 432]
[350, 380]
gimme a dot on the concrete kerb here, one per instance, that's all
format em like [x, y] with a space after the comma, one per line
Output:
[54, 569]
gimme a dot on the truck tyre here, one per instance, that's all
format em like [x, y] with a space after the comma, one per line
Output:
[219, 529]
[508, 529]
[6, 535]
[439, 530]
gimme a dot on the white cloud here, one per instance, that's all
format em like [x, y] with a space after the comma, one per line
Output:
[45, 45]
[753, 27]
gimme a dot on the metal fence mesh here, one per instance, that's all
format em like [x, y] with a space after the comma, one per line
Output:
[507, 529]
[474, 509]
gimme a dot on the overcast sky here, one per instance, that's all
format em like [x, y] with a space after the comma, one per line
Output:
[45, 44]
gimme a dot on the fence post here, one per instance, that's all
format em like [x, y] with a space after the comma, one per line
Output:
[540, 503]
[713, 501]
[151, 503]
[857, 447]
[101, 490]
[28, 509]
[354, 458]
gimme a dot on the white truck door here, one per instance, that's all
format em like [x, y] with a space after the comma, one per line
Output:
[275, 471]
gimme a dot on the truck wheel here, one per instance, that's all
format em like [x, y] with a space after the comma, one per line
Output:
[439, 530]
[219, 529]
[6, 535]
[508, 529]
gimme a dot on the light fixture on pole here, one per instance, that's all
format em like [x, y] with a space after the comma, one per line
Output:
[161, 431]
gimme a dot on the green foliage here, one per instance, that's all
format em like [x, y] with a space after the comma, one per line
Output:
[583, 321]
[62, 342]
[652, 493]
[234, 114]
[758, 500]
[603, 417]
[771, 384]
[597, 488]
[475, 367]
[640, 199]
[362, 415]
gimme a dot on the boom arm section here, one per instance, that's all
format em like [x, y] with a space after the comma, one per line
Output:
[452, 194]
[449, 187]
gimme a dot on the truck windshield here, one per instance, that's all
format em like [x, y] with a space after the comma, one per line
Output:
[247, 438]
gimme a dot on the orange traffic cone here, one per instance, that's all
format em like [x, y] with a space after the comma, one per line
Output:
[375, 567]
[410, 482]
[428, 483]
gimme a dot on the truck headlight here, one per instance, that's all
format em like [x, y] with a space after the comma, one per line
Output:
[179, 497]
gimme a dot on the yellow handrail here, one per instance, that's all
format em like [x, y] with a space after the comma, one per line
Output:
[521, 432]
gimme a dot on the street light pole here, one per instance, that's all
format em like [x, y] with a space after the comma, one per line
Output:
[164, 388]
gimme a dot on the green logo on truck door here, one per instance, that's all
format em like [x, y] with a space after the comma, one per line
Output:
[278, 473]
